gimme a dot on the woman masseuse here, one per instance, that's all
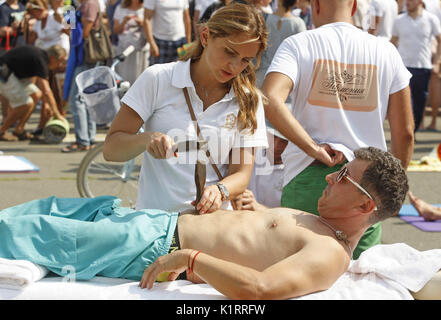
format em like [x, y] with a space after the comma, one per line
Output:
[219, 75]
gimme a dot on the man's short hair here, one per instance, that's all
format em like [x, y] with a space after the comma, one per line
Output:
[385, 179]
[56, 51]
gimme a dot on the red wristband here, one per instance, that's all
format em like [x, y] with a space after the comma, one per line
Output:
[194, 258]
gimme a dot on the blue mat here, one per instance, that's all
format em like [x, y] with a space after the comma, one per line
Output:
[409, 210]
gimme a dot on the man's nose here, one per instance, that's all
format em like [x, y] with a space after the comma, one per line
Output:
[331, 178]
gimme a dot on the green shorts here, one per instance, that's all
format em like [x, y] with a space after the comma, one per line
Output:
[304, 191]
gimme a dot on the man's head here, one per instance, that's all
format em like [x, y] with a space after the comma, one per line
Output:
[374, 183]
[329, 11]
[57, 57]
[413, 5]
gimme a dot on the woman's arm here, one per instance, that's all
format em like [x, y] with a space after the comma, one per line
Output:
[118, 26]
[123, 143]
[239, 173]
[148, 14]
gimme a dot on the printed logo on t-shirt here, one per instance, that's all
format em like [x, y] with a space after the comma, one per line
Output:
[352, 87]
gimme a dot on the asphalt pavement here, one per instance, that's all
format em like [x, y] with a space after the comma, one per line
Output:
[57, 177]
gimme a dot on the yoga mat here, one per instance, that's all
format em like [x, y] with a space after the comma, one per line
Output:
[409, 210]
[16, 164]
[420, 223]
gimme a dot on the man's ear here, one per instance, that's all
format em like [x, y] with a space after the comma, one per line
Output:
[368, 206]
[354, 8]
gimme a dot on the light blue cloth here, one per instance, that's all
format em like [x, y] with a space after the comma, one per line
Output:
[82, 238]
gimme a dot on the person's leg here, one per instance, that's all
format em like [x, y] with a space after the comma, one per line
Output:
[27, 112]
[79, 112]
[427, 211]
[435, 98]
[419, 89]
[304, 191]
[86, 237]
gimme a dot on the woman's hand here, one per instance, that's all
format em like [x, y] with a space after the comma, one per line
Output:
[154, 50]
[159, 145]
[175, 263]
[211, 200]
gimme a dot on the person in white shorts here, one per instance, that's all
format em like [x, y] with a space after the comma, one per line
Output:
[19, 69]
[343, 88]
[383, 14]
[219, 76]
[413, 32]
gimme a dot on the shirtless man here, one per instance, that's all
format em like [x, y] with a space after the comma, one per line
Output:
[283, 253]
[273, 254]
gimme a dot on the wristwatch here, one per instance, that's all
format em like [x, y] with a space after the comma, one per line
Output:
[224, 191]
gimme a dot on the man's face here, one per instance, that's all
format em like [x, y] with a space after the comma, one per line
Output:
[57, 63]
[339, 197]
[412, 5]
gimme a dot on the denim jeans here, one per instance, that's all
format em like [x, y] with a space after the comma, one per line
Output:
[419, 87]
[85, 127]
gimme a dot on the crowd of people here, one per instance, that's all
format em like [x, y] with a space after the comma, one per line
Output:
[304, 86]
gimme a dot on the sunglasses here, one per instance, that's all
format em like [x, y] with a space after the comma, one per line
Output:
[343, 173]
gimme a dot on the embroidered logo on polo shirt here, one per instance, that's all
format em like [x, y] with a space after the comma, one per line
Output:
[230, 121]
[352, 87]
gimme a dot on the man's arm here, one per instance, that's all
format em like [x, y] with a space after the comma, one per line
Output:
[48, 96]
[276, 87]
[400, 116]
[313, 268]
[394, 41]
[437, 57]
[373, 25]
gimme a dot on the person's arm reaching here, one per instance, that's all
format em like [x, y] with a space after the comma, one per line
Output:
[400, 117]
[48, 96]
[123, 143]
[276, 87]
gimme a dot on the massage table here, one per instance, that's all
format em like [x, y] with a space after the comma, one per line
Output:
[383, 272]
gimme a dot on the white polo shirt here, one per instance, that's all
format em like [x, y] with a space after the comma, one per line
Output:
[158, 98]
[343, 78]
[414, 38]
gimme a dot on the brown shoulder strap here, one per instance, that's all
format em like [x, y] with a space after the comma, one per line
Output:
[198, 131]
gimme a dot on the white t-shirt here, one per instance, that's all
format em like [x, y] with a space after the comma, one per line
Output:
[168, 19]
[202, 5]
[51, 34]
[388, 11]
[339, 58]
[158, 98]
[434, 6]
[414, 38]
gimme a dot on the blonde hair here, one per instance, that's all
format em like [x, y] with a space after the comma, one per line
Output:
[230, 20]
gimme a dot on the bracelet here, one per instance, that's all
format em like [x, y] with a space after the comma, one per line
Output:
[194, 258]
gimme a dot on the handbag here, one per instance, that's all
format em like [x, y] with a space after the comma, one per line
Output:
[200, 167]
[97, 46]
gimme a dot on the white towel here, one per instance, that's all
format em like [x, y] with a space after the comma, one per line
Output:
[401, 263]
[17, 274]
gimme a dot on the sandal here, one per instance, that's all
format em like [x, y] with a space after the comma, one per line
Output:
[8, 137]
[74, 147]
[23, 136]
